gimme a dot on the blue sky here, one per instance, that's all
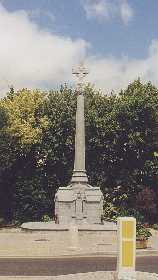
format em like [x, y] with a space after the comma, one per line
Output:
[117, 38]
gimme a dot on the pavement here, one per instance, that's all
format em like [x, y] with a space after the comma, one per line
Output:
[36, 244]
[86, 276]
[14, 243]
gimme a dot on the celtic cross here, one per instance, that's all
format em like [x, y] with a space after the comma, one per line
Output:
[80, 72]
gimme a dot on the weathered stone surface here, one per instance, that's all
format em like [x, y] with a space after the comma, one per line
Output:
[35, 244]
[51, 226]
[79, 203]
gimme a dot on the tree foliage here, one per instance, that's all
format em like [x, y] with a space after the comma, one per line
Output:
[37, 132]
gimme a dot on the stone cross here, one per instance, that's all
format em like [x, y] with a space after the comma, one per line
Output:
[79, 173]
[80, 72]
[74, 203]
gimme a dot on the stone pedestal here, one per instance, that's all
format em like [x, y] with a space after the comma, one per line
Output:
[79, 203]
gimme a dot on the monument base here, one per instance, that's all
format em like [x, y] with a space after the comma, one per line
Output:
[79, 203]
[51, 226]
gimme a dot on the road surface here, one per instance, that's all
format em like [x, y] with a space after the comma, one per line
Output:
[50, 267]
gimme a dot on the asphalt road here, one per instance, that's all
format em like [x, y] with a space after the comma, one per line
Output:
[50, 267]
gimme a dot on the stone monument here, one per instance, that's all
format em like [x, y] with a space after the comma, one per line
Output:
[79, 202]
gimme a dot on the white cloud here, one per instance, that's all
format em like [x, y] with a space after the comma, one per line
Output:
[109, 73]
[35, 58]
[32, 57]
[107, 9]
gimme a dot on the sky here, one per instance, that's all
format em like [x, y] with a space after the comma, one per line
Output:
[41, 40]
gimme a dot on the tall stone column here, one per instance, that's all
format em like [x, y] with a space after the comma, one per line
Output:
[79, 172]
[79, 202]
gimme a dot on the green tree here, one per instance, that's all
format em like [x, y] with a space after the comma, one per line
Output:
[19, 136]
[37, 132]
[136, 168]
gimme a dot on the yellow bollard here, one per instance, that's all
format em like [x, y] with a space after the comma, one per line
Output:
[126, 248]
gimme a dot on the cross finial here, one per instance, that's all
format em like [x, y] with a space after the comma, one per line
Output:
[80, 72]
